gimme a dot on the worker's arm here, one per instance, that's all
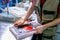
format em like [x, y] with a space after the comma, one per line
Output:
[41, 28]
[29, 12]
[21, 21]
[55, 22]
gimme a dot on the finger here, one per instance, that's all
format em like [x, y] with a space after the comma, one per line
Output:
[15, 25]
[36, 31]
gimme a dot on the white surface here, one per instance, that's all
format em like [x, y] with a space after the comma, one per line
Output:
[16, 11]
[19, 11]
[7, 35]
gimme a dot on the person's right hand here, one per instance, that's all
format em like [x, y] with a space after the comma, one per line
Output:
[19, 22]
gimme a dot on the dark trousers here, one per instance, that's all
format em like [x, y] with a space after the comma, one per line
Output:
[37, 37]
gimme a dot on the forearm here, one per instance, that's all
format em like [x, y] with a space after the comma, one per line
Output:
[55, 22]
[29, 12]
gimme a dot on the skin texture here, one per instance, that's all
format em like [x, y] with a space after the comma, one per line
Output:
[41, 28]
[21, 21]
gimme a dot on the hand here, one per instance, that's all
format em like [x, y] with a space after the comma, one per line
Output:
[40, 29]
[19, 22]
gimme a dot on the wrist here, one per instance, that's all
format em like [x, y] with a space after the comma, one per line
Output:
[44, 26]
